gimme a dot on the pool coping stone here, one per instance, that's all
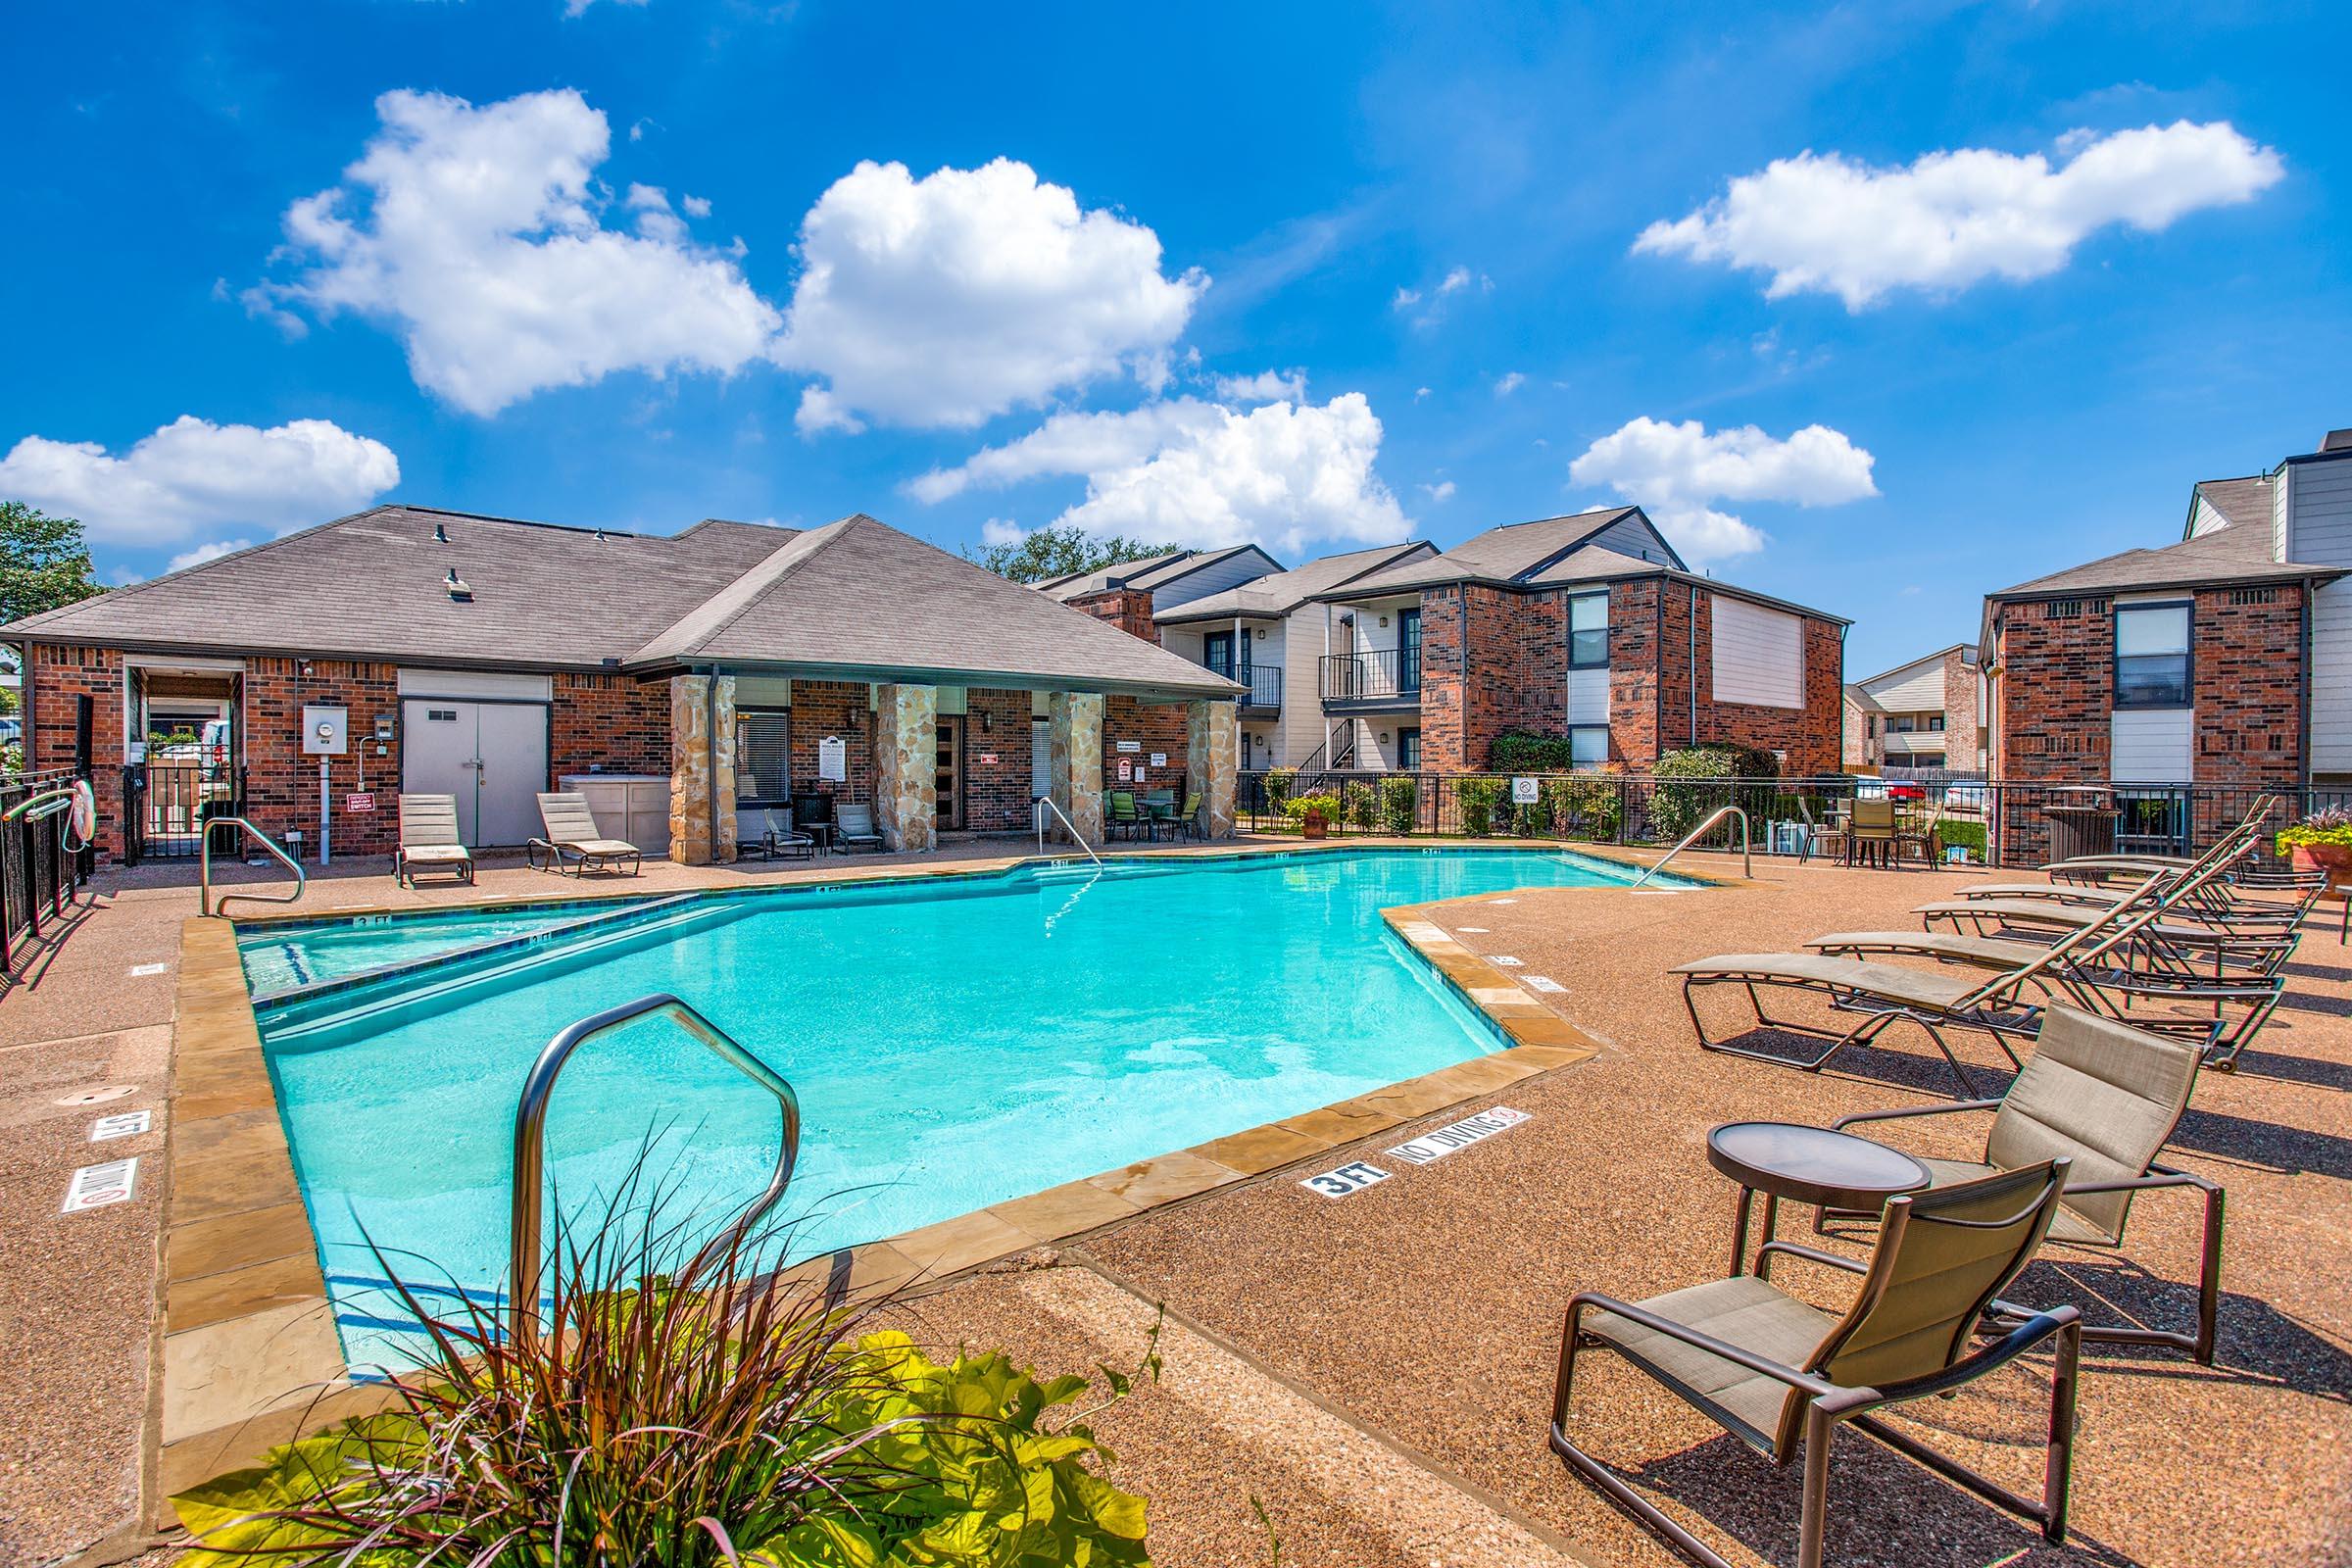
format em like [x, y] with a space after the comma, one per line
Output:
[249, 1358]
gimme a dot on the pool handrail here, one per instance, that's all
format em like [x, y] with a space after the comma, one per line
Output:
[1747, 863]
[205, 903]
[524, 1262]
[1038, 810]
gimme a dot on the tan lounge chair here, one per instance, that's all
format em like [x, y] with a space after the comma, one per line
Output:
[430, 841]
[573, 838]
[2108, 1096]
[853, 827]
[1781, 1375]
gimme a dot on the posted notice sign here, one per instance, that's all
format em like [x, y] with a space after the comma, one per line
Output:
[1523, 792]
[833, 758]
[1353, 1177]
[1438, 1142]
[358, 804]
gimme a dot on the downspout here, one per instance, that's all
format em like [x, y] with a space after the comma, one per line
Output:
[2303, 692]
[1693, 671]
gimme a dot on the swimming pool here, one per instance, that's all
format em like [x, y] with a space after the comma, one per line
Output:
[955, 1042]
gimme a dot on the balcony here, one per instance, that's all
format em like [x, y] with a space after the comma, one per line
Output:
[1263, 680]
[1384, 678]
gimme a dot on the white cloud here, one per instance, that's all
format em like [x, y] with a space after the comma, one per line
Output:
[944, 300]
[1676, 471]
[193, 474]
[1456, 279]
[1074, 443]
[203, 553]
[573, 8]
[1267, 386]
[1509, 382]
[1405, 299]
[1419, 393]
[997, 531]
[1830, 224]
[696, 205]
[1441, 492]
[477, 234]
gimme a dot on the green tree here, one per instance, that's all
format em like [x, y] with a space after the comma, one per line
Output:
[44, 562]
[1064, 551]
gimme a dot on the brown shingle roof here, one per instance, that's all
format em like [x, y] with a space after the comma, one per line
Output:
[1500, 555]
[2227, 555]
[861, 597]
[372, 586]
[1282, 592]
[2242, 503]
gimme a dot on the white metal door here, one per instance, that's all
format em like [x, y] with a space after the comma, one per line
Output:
[513, 753]
[491, 755]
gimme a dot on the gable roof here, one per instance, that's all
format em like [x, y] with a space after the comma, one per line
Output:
[1936, 657]
[2225, 555]
[1861, 700]
[859, 600]
[1149, 574]
[1508, 556]
[373, 586]
[1279, 593]
[2241, 503]
[856, 598]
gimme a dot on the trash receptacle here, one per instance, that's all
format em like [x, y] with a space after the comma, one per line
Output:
[2080, 826]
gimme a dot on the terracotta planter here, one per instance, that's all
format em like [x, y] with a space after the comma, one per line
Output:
[1313, 825]
[2334, 859]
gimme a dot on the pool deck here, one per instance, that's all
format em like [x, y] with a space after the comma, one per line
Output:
[1374, 1369]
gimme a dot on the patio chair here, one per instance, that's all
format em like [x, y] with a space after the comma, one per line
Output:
[777, 839]
[575, 840]
[429, 840]
[1189, 822]
[1122, 815]
[1871, 830]
[1781, 1375]
[1884, 994]
[853, 827]
[2107, 1097]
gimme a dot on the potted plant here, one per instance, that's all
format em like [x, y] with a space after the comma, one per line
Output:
[2320, 841]
[1314, 813]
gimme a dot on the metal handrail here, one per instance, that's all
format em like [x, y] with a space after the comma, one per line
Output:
[531, 1139]
[1747, 863]
[203, 867]
[1037, 812]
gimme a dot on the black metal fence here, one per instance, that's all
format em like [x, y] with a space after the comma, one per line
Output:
[2013, 826]
[167, 803]
[42, 865]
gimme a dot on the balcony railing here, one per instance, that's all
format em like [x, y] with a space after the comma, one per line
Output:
[1263, 680]
[1384, 674]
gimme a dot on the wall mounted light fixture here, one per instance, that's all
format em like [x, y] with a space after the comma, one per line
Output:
[1384, 621]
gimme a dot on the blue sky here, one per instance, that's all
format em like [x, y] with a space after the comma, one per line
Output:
[1313, 275]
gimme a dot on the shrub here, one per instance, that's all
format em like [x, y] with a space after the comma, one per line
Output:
[1364, 804]
[1280, 781]
[711, 1417]
[1323, 802]
[1401, 804]
[1478, 797]
[1520, 751]
[1969, 836]
[2329, 827]
[1585, 807]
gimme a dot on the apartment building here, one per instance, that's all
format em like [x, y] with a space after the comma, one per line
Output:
[1920, 714]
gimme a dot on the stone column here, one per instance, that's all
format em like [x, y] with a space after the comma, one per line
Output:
[701, 769]
[1074, 762]
[1213, 761]
[906, 765]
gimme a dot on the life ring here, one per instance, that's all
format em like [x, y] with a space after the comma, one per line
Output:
[83, 815]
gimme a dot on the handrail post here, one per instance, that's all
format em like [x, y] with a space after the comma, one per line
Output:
[1037, 813]
[531, 1145]
[205, 903]
[1748, 862]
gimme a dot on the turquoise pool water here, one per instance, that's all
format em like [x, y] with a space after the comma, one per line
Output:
[281, 955]
[955, 1043]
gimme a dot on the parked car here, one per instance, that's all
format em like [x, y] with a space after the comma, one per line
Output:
[12, 730]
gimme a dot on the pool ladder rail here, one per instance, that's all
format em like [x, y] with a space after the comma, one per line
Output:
[525, 1252]
[1044, 803]
[205, 902]
[1747, 863]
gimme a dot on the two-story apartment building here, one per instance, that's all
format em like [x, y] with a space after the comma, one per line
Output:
[1588, 626]
[2225, 658]
[1267, 634]
[1919, 715]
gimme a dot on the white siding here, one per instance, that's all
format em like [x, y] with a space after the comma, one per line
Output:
[475, 683]
[1913, 689]
[2319, 530]
[1759, 655]
[2152, 744]
[2203, 519]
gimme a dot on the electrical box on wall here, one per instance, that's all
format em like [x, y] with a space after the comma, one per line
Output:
[326, 731]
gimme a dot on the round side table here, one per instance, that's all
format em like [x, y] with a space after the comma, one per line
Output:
[1805, 1165]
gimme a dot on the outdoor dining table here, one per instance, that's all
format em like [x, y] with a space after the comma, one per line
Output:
[1805, 1165]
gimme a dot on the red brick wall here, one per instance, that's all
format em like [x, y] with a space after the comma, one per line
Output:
[996, 795]
[1128, 608]
[2055, 691]
[1444, 683]
[54, 676]
[1961, 728]
[281, 784]
[2246, 672]
[1517, 655]
[822, 707]
[1636, 678]
[1810, 735]
[1156, 727]
[613, 723]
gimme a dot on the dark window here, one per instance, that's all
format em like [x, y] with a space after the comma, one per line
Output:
[1587, 744]
[1408, 651]
[763, 756]
[1588, 632]
[1408, 749]
[2151, 656]
[1935, 722]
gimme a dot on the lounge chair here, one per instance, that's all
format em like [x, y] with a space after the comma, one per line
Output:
[430, 841]
[777, 839]
[2003, 1006]
[1781, 1375]
[853, 827]
[2108, 1096]
[573, 840]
